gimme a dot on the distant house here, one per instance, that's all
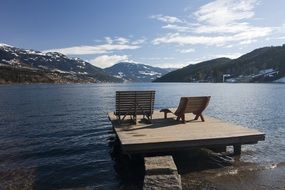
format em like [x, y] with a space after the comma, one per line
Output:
[265, 71]
[231, 80]
[263, 75]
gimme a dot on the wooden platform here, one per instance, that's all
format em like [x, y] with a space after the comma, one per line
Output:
[169, 134]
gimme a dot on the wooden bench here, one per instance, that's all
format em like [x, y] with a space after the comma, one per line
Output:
[134, 103]
[195, 105]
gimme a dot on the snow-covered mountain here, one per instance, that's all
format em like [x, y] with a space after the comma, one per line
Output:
[51, 62]
[133, 72]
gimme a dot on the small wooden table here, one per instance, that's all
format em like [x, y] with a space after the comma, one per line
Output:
[166, 111]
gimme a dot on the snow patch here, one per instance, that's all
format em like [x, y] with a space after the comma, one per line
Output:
[79, 66]
[82, 73]
[15, 54]
[282, 80]
[76, 59]
[43, 67]
[30, 51]
[150, 73]
[120, 75]
[59, 71]
[4, 60]
[5, 45]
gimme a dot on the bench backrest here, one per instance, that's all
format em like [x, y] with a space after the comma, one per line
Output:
[135, 102]
[193, 104]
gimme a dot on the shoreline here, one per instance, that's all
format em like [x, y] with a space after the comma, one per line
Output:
[99, 82]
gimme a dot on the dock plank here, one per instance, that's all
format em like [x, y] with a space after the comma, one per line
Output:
[169, 134]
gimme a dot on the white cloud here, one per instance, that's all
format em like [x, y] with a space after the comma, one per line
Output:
[177, 65]
[220, 40]
[230, 28]
[228, 55]
[183, 63]
[138, 41]
[116, 44]
[191, 40]
[279, 38]
[104, 61]
[121, 40]
[227, 16]
[176, 27]
[222, 12]
[109, 40]
[247, 42]
[157, 58]
[218, 23]
[96, 49]
[186, 50]
[166, 19]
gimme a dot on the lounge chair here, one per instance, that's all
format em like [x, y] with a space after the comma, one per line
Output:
[134, 103]
[195, 105]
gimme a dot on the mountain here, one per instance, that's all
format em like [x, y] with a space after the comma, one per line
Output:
[32, 62]
[192, 73]
[261, 65]
[133, 72]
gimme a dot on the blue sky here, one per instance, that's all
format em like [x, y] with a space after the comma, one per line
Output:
[163, 33]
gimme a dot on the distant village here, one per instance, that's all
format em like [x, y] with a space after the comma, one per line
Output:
[265, 75]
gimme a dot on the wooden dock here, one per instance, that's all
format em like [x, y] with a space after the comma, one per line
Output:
[171, 135]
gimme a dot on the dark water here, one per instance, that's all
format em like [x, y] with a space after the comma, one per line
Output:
[58, 136]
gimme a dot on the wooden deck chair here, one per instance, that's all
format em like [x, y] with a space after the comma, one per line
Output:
[195, 105]
[134, 103]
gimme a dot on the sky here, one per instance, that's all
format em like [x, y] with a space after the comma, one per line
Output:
[163, 33]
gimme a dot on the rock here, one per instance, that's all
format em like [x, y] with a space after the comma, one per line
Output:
[167, 182]
[161, 173]
[159, 165]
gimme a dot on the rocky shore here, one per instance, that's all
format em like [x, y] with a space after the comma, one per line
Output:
[10, 75]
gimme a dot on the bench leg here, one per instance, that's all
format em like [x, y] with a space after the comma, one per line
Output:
[178, 118]
[199, 115]
[202, 118]
[148, 118]
[183, 118]
[165, 115]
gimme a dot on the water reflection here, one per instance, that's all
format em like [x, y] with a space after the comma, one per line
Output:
[130, 169]
[58, 136]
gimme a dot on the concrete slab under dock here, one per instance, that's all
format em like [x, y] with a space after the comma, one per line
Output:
[170, 135]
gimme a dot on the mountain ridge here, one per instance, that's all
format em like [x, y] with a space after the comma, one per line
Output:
[50, 62]
[264, 64]
[136, 72]
[27, 65]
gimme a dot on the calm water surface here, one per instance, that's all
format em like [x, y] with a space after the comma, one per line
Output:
[58, 136]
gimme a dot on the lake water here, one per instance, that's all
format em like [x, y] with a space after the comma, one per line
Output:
[59, 136]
